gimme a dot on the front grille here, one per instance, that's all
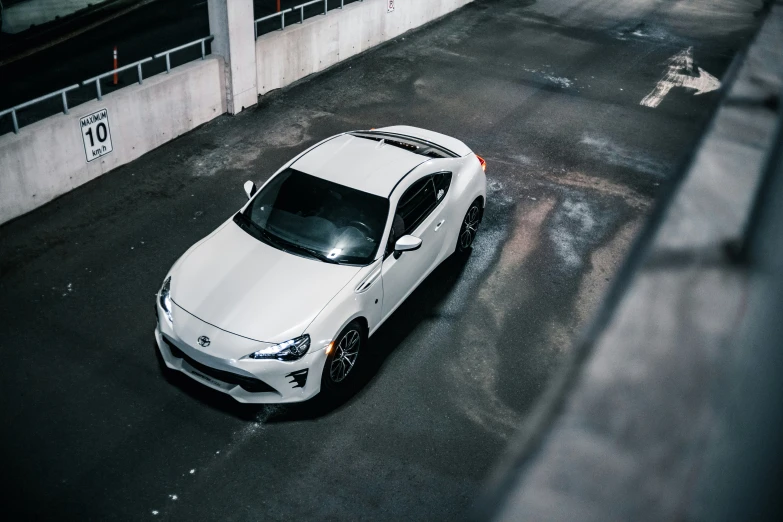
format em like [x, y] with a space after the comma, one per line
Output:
[249, 384]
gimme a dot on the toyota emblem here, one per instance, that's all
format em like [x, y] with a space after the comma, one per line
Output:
[204, 341]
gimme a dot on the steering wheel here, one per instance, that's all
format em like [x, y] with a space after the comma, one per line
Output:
[368, 232]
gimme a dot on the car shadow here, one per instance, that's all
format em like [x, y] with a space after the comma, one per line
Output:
[419, 306]
[206, 396]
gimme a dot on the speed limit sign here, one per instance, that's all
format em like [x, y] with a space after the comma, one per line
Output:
[96, 134]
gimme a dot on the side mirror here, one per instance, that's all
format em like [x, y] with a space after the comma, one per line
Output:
[406, 244]
[250, 189]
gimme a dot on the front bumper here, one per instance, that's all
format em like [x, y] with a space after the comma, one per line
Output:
[249, 381]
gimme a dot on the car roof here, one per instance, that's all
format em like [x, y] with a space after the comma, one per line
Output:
[360, 163]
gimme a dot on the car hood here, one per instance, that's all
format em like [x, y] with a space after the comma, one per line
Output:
[237, 283]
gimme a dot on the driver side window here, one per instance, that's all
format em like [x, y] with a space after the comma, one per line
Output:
[414, 206]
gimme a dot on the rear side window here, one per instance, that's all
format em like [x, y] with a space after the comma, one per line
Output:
[441, 181]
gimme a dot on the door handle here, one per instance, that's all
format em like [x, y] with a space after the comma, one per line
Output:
[440, 224]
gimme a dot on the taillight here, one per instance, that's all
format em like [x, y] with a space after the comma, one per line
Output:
[483, 163]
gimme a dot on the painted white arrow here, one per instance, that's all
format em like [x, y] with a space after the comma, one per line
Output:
[679, 73]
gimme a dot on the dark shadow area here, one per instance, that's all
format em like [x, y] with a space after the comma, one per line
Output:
[205, 395]
[137, 34]
[141, 33]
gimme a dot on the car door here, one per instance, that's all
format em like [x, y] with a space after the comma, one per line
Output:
[420, 213]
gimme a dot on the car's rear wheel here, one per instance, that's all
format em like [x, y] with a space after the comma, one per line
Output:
[469, 227]
[339, 369]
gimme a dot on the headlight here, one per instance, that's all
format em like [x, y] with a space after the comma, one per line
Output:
[164, 296]
[287, 351]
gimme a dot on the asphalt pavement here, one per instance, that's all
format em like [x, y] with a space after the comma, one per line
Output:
[548, 92]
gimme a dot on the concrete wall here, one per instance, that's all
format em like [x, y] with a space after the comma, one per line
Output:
[47, 159]
[283, 57]
[230, 22]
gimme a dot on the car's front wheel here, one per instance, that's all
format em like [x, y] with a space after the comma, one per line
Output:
[341, 361]
[469, 227]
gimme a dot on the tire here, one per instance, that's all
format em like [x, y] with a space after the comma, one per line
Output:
[339, 369]
[469, 226]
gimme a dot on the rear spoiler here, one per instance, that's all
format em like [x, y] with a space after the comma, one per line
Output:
[408, 143]
[454, 146]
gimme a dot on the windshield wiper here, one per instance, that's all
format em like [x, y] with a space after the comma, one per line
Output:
[318, 255]
[279, 242]
[309, 251]
[245, 223]
[259, 233]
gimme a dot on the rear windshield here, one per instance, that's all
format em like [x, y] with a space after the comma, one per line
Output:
[313, 217]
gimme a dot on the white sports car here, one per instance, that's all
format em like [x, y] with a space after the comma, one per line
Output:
[279, 302]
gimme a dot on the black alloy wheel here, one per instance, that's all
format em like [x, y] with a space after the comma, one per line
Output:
[469, 227]
[341, 361]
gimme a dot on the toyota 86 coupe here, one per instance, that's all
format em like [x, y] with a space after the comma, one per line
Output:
[278, 303]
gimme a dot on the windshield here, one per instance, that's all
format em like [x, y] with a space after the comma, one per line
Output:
[310, 216]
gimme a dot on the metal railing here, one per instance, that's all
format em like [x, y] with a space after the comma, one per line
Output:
[97, 79]
[61, 92]
[281, 14]
[300, 7]
[202, 41]
[311, 2]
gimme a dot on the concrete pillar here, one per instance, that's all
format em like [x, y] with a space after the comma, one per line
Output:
[231, 22]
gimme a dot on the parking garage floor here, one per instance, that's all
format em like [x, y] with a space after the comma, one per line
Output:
[548, 92]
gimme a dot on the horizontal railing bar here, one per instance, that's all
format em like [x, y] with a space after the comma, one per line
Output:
[39, 99]
[185, 46]
[274, 15]
[113, 71]
[307, 3]
[300, 7]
